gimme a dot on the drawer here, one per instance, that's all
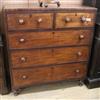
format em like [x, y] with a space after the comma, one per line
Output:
[28, 40]
[48, 74]
[38, 57]
[66, 20]
[30, 21]
[31, 76]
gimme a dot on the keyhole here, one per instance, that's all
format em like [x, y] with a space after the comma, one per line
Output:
[53, 33]
[75, 14]
[30, 15]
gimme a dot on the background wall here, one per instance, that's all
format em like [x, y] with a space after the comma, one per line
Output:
[24, 2]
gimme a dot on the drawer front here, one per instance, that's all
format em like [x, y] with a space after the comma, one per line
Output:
[31, 76]
[37, 57]
[65, 20]
[30, 21]
[48, 74]
[48, 39]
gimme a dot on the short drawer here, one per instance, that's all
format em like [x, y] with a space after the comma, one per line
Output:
[38, 57]
[26, 40]
[48, 74]
[30, 21]
[66, 20]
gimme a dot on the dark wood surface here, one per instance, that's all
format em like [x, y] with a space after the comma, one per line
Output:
[39, 57]
[22, 78]
[47, 53]
[27, 40]
[75, 20]
[45, 21]
[30, 21]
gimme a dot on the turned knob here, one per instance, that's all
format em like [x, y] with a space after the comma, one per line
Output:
[85, 19]
[39, 20]
[46, 5]
[41, 4]
[67, 19]
[77, 70]
[21, 21]
[24, 77]
[81, 37]
[23, 59]
[79, 54]
[58, 4]
[22, 40]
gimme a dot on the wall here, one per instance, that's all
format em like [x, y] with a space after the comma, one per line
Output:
[6, 2]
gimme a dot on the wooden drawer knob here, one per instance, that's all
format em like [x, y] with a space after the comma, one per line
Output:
[85, 19]
[77, 70]
[39, 20]
[79, 54]
[45, 5]
[24, 77]
[21, 21]
[22, 40]
[67, 19]
[81, 37]
[23, 59]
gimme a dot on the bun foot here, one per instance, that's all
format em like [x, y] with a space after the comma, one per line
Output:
[81, 83]
[17, 92]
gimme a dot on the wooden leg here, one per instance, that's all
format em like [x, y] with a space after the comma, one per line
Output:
[81, 83]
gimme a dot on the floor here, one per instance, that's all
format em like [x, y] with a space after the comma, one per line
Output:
[57, 91]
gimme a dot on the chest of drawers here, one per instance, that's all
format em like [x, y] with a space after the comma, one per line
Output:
[48, 44]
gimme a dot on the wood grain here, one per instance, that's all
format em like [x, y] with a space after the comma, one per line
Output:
[30, 21]
[43, 48]
[22, 59]
[49, 39]
[75, 20]
[48, 74]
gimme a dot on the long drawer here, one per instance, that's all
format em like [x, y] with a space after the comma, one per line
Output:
[37, 57]
[26, 40]
[30, 21]
[24, 77]
[66, 20]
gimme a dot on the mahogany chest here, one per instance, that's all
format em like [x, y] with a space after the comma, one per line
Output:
[47, 45]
